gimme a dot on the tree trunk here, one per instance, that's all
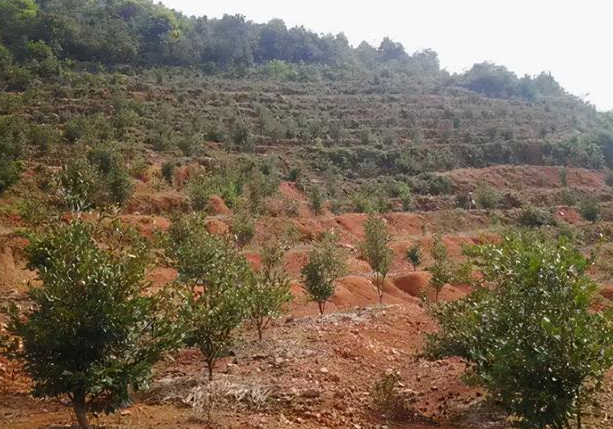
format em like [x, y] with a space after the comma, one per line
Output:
[322, 307]
[579, 424]
[80, 409]
[259, 326]
[210, 363]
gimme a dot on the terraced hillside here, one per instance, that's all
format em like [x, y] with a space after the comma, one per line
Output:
[139, 123]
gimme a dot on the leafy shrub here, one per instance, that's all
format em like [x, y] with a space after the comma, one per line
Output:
[294, 174]
[242, 225]
[608, 177]
[390, 400]
[568, 197]
[259, 186]
[414, 255]
[205, 185]
[326, 265]
[120, 185]
[590, 210]
[76, 128]
[441, 273]
[406, 198]
[94, 182]
[375, 249]
[432, 184]
[92, 334]
[212, 313]
[563, 174]
[534, 217]
[316, 199]
[78, 185]
[12, 141]
[528, 332]
[168, 171]
[271, 290]
[486, 197]
[362, 203]
[9, 173]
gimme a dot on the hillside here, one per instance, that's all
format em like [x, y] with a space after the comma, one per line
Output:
[127, 111]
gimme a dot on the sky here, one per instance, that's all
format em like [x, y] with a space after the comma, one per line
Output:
[570, 39]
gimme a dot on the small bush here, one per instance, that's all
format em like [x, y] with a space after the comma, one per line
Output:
[563, 174]
[534, 217]
[375, 249]
[94, 182]
[608, 177]
[590, 210]
[528, 330]
[326, 265]
[243, 225]
[414, 255]
[294, 174]
[486, 197]
[317, 200]
[568, 197]
[212, 314]
[432, 184]
[388, 398]
[168, 171]
[9, 174]
[440, 270]
[76, 128]
[91, 334]
[267, 295]
[77, 185]
[205, 185]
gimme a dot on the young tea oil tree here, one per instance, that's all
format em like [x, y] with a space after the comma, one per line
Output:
[317, 200]
[375, 248]
[590, 210]
[414, 255]
[215, 280]
[439, 270]
[270, 291]
[91, 334]
[528, 331]
[326, 265]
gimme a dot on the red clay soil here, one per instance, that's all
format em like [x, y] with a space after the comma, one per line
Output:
[146, 224]
[14, 277]
[567, 214]
[146, 201]
[216, 206]
[289, 191]
[320, 371]
[217, 227]
[524, 177]
[417, 284]
[607, 292]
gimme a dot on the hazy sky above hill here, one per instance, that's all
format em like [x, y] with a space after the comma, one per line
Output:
[572, 39]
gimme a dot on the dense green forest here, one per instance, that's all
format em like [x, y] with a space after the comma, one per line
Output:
[139, 33]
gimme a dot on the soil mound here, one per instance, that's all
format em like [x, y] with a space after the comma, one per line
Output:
[217, 207]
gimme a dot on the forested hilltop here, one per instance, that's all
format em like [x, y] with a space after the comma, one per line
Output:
[139, 33]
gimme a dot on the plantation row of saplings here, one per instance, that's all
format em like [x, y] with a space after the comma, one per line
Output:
[94, 327]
